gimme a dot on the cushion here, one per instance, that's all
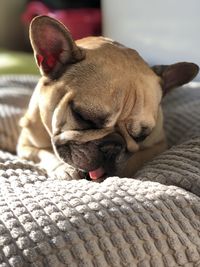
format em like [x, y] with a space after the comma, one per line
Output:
[151, 219]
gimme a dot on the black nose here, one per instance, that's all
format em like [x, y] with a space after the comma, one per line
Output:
[110, 149]
[111, 145]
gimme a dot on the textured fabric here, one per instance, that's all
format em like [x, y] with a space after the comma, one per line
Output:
[146, 221]
[15, 92]
[179, 165]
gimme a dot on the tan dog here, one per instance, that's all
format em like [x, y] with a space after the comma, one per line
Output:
[96, 111]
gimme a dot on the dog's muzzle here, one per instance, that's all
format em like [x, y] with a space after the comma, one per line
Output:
[97, 158]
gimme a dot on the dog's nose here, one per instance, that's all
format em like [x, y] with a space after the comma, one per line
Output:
[111, 145]
[110, 148]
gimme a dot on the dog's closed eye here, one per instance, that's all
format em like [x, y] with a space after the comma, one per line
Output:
[86, 119]
[81, 118]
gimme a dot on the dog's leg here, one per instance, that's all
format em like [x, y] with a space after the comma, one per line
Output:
[46, 159]
[55, 167]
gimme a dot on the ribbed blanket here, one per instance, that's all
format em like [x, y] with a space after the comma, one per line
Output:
[152, 219]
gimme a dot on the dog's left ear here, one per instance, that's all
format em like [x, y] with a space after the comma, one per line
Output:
[176, 74]
[53, 46]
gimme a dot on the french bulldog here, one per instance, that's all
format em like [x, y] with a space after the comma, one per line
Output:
[96, 111]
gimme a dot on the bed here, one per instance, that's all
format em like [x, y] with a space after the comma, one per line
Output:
[152, 219]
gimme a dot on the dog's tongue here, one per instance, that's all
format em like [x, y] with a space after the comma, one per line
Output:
[96, 174]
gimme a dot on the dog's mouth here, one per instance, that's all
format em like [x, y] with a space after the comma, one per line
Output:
[96, 174]
[94, 160]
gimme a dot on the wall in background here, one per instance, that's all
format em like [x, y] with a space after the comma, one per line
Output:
[11, 28]
[162, 31]
[14, 34]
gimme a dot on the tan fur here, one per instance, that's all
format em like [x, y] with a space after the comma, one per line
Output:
[112, 80]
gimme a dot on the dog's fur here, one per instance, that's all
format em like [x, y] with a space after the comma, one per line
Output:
[97, 105]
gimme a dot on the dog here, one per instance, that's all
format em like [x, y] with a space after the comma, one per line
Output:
[96, 111]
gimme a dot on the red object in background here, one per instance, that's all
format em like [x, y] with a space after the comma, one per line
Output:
[81, 22]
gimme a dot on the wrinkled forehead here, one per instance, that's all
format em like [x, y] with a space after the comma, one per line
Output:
[110, 70]
[112, 56]
[108, 62]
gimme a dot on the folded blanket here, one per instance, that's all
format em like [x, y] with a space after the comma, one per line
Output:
[152, 220]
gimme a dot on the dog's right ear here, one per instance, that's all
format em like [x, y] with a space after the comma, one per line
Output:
[176, 74]
[53, 46]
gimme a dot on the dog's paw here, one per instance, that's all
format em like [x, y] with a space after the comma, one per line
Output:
[65, 172]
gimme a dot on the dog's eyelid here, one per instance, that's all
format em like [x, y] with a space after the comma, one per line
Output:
[96, 122]
[82, 117]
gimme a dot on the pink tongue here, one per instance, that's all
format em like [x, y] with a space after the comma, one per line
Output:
[96, 174]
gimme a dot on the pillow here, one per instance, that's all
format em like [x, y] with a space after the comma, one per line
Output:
[15, 93]
[119, 222]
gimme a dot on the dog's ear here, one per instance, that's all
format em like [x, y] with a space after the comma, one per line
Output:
[53, 46]
[176, 74]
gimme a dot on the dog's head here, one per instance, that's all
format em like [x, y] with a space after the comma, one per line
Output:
[99, 100]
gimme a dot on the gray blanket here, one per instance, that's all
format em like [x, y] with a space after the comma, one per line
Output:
[151, 220]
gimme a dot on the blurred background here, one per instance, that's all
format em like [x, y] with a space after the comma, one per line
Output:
[163, 32]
